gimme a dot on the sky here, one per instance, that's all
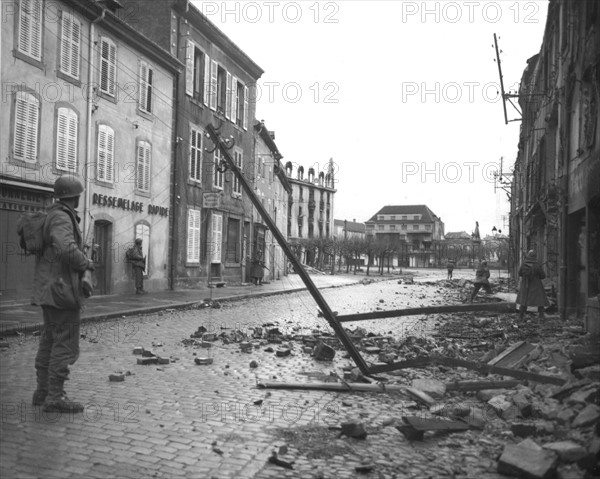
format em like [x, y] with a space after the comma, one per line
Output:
[402, 95]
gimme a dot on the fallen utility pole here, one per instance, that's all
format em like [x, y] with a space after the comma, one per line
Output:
[501, 307]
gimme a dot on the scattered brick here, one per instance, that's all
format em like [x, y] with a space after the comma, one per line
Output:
[163, 360]
[568, 451]
[436, 389]
[283, 352]
[354, 430]
[115, 378]
[323, 352]
[588, 416]
[138, 350]
[253, 364]
[147, 361]
[203, 361]
[530, 463]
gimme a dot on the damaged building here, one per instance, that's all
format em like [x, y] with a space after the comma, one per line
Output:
[555, 201]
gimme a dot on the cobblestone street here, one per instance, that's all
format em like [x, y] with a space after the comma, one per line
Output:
[187, 420]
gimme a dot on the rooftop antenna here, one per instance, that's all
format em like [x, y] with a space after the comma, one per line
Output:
[505, 96]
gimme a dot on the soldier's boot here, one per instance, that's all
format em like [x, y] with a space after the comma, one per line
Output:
[57, 400]
[521, 314]
[541, 314]
[39, 396]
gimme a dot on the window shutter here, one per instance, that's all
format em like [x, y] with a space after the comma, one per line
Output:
[66, 140]
[106, 144]
[217, 237]
[206, 85]
[143, 96]
[189, 69]
[245, 123]
[228, 97]
[195, 154]
[70, 41]
[30, 28]
[234, 100]
[26, 127]
[143, 166]
[218, 176]
[108, 60]
[193, 238]
[213, 85]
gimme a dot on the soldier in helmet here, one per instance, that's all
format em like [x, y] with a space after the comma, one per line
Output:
[59, 290]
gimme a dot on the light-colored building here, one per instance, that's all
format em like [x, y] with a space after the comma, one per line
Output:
[409, 229]
[86, 94]
[212, 216]
[344, 229]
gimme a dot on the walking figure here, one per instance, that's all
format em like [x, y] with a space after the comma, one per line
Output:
[258, 270]
[531, 289]
[481, 280]
[58, 288]
[450, 267]
[138, 263]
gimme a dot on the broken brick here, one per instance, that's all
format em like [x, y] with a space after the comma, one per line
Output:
[203, 361]
[587, 416]
[354, 430]
[324, 352]
[568, 451]
[147, 361]
[138, 350]
[524, 462]
[283, 352]
[116, 378]
[163, 360]
[436, 389]
[253, 364]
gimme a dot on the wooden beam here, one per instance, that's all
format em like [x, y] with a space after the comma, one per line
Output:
[500, 307]
[480, 385]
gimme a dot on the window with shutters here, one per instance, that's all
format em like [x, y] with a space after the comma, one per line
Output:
[108, 66]
[66, 139]
[145, 96]
[195, 154]
[197, 71]
[26, 127]
[222, 92]
[218, 172]
[29, 35]
[240, 105]
[105, 154]
[70, 45]
[237, 186]
[193, 236]
[142, 168]
[216, 238]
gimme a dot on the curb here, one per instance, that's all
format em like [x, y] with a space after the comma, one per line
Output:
[154, 309]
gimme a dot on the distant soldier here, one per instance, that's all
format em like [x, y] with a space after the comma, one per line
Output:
[531, 289]
[450, 267]
[481, 280]
[258, 268]
[58, 288]
[138, 263]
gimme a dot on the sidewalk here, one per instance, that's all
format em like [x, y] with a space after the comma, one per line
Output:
[22, 317]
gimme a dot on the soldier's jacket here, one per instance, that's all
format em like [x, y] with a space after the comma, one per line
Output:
[58, 270]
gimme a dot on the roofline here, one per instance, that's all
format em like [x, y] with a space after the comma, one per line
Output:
[263, 132]
[111, 22]
[217, 37]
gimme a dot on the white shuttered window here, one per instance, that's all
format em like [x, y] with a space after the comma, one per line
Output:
[70, 45]
[145, 98]
[66, 140]
[108, 65]
[30, 28]
[217, 238]
[193, 236]
[143, 161]
[218, 175]
[106, 151]
[195, 154]
[237, 186]
[27, 111]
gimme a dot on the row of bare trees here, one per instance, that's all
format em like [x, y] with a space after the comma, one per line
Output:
[337, 254]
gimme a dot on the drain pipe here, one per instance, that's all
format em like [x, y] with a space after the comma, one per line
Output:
[90, 104]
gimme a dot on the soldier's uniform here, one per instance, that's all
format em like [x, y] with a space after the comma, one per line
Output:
[58, 289]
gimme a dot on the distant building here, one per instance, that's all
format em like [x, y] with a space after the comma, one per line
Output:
[457, 236]
[272, 188]
[343, 229]
[413, 229]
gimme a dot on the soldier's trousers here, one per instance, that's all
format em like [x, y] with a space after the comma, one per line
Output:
[59, 343]
[138, 276]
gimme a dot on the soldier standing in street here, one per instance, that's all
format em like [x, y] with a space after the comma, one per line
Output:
[58, 288]
[138, 263]
[481, 280]
[531, 289]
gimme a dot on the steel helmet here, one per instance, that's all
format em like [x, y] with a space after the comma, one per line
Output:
[67, 186]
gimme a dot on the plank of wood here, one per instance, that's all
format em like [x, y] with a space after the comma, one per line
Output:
[501, 307]
[435, 424]
[512, 355]
[340, 387]
[481, 385]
